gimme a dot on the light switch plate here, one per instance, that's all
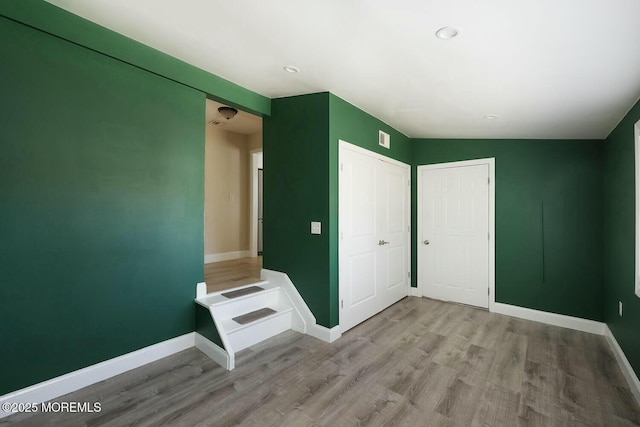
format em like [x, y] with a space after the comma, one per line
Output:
[316, 227]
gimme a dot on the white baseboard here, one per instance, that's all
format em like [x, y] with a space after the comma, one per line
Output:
[561, 320]
[226, 256]
[81, 378]
[215, 352]
[625, 366]
[323, 333]
[415, 292]
[310, 325]
[302, 309]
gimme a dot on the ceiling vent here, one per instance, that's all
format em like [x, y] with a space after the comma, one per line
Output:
[384, 139]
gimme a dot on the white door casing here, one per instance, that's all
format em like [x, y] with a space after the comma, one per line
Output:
[456, 249]
[256, 160]
[374, 241]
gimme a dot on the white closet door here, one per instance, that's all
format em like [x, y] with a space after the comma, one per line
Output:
[374, 235]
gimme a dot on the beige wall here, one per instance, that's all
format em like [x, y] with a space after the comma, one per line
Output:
[255, 141]
[226, 191]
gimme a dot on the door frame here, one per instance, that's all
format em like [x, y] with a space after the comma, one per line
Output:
[344, 145]
[492, 221]
[257, 161]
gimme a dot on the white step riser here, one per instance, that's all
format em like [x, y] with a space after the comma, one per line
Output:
[247, 304]
[260, 331]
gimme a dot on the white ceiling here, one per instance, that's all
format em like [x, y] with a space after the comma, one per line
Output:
[243, 122]
[548, 68]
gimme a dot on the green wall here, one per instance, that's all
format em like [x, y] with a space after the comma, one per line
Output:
[301, 185]
[619, 237]
[566, 178]
[296, 188]
[101, 207]
[205, 325]
[60, 23]
[101, 191]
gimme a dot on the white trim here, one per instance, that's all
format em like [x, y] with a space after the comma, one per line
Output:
[84, 377]
[415, 292]
[228, 349]
[625, 366]
[344, 145]
[356, 149]
[491, 163]
[492, 232]
[636, 137]
[211, 349]
[303, 312]
[225, 256]
[201, 290]
[309, 326]
[323, 333]
[253, 216]
[561, 320]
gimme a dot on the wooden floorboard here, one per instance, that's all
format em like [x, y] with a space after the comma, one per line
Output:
[223, 275]
[419, 363]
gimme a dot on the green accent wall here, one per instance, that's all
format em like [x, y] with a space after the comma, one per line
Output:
[205, 325]
[301, 185]
[296, 188]
[619, 237]
[60, 23]
[565, 179]
[101, 206]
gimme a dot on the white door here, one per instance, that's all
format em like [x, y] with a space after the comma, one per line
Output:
[374, 233]
[454, 233]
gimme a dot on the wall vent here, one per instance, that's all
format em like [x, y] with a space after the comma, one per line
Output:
[384, 139]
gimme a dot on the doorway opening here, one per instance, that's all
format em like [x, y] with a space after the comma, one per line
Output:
[233, 155]
[456, 232]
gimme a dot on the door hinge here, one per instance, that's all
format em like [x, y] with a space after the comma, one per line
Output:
[341, 166]
[341, 303]
[488, 291]
[409, 274]
[488, 180]
[488, 236]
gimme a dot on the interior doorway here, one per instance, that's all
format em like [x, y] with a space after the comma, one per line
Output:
[456, 232]
[233, 152]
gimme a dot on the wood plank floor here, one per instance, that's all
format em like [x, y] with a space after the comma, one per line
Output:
[233, 273]
[418, 363]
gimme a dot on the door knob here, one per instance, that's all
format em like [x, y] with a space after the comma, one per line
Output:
[426, 242]
[382, 242]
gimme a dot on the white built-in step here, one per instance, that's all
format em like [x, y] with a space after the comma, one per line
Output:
[248, 315]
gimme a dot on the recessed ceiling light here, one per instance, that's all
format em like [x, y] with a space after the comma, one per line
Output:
[446, 33]
[291, 69]
[490, 117]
